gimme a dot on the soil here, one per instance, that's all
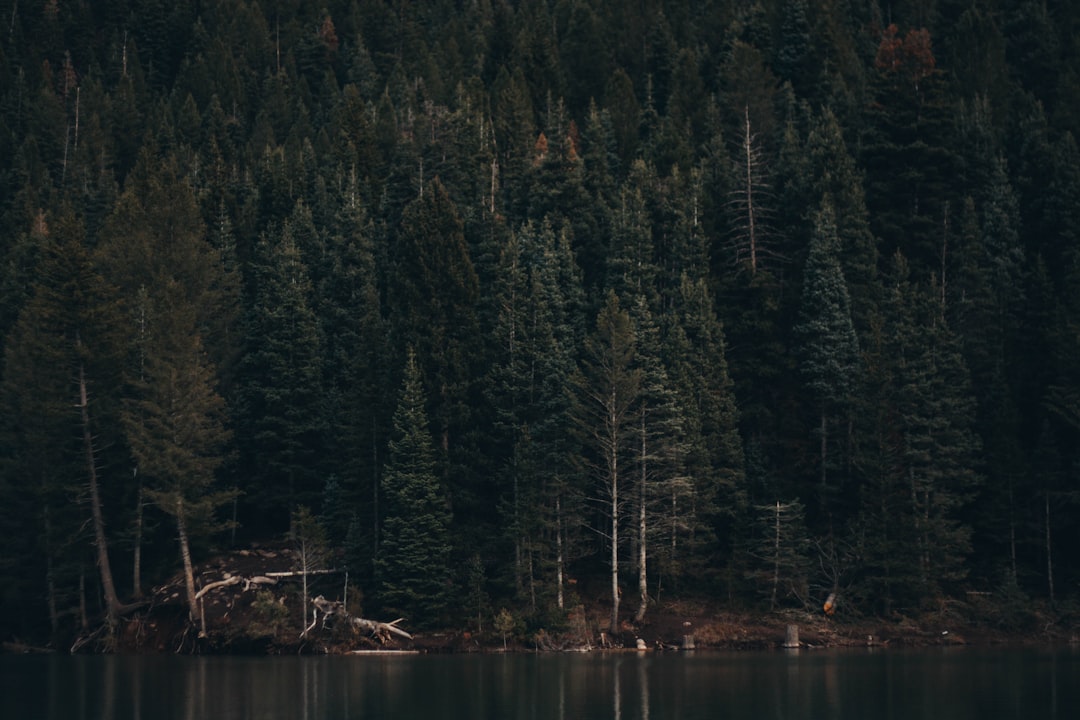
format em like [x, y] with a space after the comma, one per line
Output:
[261, 614]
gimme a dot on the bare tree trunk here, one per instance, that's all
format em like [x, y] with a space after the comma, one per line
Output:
[189, 574]
[751, 225]
[304, 584]
[532, 583]
[112, 602]
[614, 530]
[643, 578]
[136, 561]
[776, 558]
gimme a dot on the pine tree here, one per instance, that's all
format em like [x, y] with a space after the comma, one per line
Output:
[703, 540]
[412, 570]
[922, 452]
[176, 427]
[281, 415]
[793, 57]
[433, 295]
[659, 448]
[750, 205]
[308, 538]
[829, 346]
[354, 358]
[608, 389]
[527, 390]
[909, 149]
[833, 171]
[510, 389]
[66, 348]
[782, 553]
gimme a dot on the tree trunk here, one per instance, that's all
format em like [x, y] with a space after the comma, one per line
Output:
[112, 602]
[643, 578]
[751, 226]
[136, 560]
[84, 618]
[776, 558]
[559, 571]
[1049, 556]
[614, 532]
[50, 576]
[189, 574]
[824, 447]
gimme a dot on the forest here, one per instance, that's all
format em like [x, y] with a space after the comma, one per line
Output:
[520, 304]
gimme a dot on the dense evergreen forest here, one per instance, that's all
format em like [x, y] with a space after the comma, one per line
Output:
[513, 302]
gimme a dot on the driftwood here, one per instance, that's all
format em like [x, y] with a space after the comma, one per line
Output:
[336, 609]
[331, 610]
[236, 580]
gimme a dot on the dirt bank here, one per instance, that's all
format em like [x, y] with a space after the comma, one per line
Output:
[251, 603]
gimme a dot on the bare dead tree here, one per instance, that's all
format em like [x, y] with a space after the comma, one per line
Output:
[750, 202]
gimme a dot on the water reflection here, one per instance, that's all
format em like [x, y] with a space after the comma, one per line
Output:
[988, 685]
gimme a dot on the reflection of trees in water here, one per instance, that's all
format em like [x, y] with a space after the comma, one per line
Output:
[617, 700]
[641, 679]
[643, 683]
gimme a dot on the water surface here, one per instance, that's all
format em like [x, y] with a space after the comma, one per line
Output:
[952, 684]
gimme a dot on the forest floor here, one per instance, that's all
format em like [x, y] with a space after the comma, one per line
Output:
[252, 604]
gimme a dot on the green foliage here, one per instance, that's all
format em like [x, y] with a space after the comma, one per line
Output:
[412, 570]
[281, 423]
[782, 554]
[251, 212]
[508, 625]
[270, 617]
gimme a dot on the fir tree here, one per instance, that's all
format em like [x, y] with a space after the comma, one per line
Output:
[176, 426]
[829, 346]
[67, 347]
[608, 389]
[412, 570]
[281, 422]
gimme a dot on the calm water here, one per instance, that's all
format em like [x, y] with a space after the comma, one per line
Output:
[953, 684]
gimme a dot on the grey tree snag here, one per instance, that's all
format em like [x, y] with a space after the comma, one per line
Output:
[112, 602]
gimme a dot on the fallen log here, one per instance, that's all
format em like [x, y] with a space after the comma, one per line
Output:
[336, 609]
[235, 580]
[301, 573]
[231, 580]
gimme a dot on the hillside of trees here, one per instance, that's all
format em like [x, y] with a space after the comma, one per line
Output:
[512, 301]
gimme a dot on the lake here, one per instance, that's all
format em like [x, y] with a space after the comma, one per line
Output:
[953, 684]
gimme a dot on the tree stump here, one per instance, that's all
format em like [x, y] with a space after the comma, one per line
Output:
[791, 639]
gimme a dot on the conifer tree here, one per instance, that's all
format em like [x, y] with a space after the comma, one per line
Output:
[281, 415]
[782, 553]
[559, 322]
[922, 467]
[829, 346]
[176, 427]
[433, 297]
[527, 389]
[510, 389]
[412, 570]
[833, 171]
[909, 148]
[355, 358]
[659, 447]
[608, 389]
[66, 350]
[703, 542]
